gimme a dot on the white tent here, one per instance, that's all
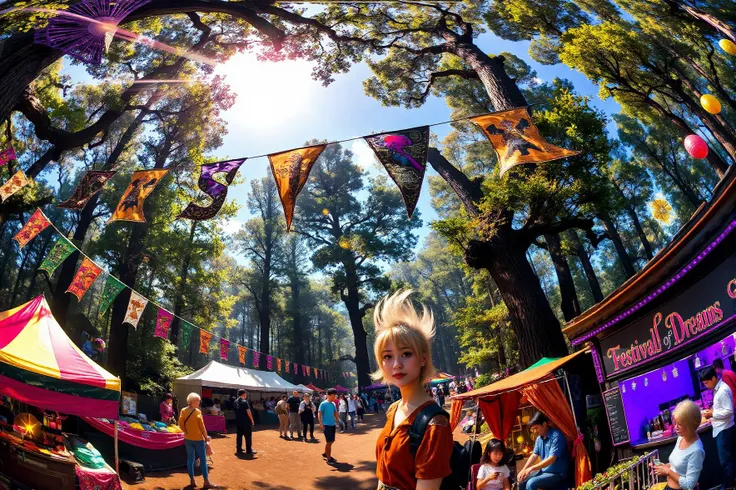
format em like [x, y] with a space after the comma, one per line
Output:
[218, 375]
[304, 389]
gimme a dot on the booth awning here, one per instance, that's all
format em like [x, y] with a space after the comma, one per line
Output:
[340, 389]
[314, 388]
[218, 375]
[41, 366]
[534, 373]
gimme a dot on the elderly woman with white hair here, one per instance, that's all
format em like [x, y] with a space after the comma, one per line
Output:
[195, 435]
[686, 459]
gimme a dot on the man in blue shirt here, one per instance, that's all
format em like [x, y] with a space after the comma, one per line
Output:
[548, 465]
[327, 421]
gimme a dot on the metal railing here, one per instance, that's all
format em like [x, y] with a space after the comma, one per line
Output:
[637, 476]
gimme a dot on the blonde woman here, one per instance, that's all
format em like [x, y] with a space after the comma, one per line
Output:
[195, 435]
[686, 459]
[404, 353]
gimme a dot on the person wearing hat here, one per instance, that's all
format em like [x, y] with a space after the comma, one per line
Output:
[167, 410]
[244, 421]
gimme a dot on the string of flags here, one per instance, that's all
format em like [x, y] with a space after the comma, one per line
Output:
[88, 272]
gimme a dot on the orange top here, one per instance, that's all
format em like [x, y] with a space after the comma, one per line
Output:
[396, 467]
[193, 426]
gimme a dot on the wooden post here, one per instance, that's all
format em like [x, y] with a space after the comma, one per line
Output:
[117, 468]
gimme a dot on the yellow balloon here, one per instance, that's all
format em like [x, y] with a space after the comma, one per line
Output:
[728, 46]
[710, 104]
[520, 439]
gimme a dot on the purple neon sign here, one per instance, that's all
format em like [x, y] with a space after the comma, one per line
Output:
[596, 363]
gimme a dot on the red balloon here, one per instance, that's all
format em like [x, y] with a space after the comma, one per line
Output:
[696, 146]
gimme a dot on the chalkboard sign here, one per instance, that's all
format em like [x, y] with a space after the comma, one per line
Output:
[616, 416]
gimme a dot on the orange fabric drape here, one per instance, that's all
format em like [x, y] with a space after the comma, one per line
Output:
[549, 398]
[500, 413]
[456, 411]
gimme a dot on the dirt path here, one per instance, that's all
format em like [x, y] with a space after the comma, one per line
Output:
[286, 465]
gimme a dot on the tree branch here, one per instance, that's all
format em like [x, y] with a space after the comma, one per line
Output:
[468, 191]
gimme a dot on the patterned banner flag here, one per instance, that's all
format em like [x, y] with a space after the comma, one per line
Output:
[215, 190]
[296, 368]
[130, 207]
[92, 183]
[163, 322]
[242, 351]
[314, 371]
[256, 359]
[136, 305]
[287, 367]
[291, 170]
[112, 288]
[62, 249]
[224, 349]
[278, 364]
[6, 155]
[204, 342]
[516, 139]
[86, 275]
[404, 156]
[35, 225]
[16, 183]
[269, 363]
[186, 331]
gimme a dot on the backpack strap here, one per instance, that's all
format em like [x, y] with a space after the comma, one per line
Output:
[419, 426]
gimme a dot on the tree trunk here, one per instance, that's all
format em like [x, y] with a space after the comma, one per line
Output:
[570, 304]
[624, 259]
[183, 277]
[501, 89]
[19, 278]
[720, 26]
[582, 254]
[39, 258]
[296, 316]
[635, 220]
[356, 314]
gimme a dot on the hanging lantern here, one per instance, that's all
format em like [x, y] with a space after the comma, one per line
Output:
[710, 104]
[661, 210]
[664, 375]
[728, 46]
[696, 146]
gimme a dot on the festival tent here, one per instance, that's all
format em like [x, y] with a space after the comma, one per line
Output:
[41, 366]
[375, 386]
[340, 389]
[441, 378]
[314, 388]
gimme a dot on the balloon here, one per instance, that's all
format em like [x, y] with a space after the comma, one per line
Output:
[710, 104]
[728, 46]
[696, 146]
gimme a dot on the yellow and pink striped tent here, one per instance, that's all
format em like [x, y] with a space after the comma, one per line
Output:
[41, 366]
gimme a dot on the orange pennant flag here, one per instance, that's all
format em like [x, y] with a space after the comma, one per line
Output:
[16, 183]
[35, 225]
[278, 364]
[516, 139]
[86, 275]
[130, 207]
[291, 170]
[242, 351]
[204, 341]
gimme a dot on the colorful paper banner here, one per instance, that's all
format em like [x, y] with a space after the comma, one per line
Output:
[92, 183]
[6, 155]
[186, 332]
[163, 322]
[204, 342]
[516, 139]
[269, 363]
[287, 367]
[86, 275]
[112, 288]
[62, 249]
[224, 349]
[215, 190]
[242, 351]
[35, 225]
[130, 207]
[256, 359]
[404, 156]
[291, 170]
[16, 183]
[278, 365]
[136, 305]
[296, 368]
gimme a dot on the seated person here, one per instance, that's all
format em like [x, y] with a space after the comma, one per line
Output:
[549, 463]
[686, 459]
[216, 409]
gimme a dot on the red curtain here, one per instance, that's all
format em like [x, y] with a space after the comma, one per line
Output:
[500, 413]
[549, 398]
[456, 411]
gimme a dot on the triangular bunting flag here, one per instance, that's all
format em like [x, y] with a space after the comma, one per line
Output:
[6, 155]
[186, 331]
[62, 249]
[269, 363]
[404, 156]
[163, 322]
[287, 367]
[86, 275]
[224, 349]
[109, 36]
[92, 183]
[291, 170]
[242, 351]
[112, 288]
[16, 183]
[278, 365]
[214, 189]
[130, 207]
[204, 342]
[256, 359]
[35, 225]
[136, 305]
[516, 139]
[296, 368]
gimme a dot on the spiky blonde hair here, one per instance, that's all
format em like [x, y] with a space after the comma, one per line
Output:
[396, 320]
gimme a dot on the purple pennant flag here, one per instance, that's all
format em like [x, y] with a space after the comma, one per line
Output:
[296, 368]
[224, 349]
[256, 359]
[163, 322]
[269, 362]
[215, 190]
[6, 155]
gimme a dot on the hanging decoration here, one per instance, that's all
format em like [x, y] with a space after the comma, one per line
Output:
[86, 275]
[130, 207]
[256, 359]
[6, 155]
[664, 375]
[112, 288]
[404, 156]
[304, 370]
[291, 170]
[215, 190]
[163, 322]
[92, 183]
[62, 249]
[186, 331]
[296, 368]
[287, 367]
[269, 363]
[278, 365]
[224, 349]
[204, 341]
[728, 46]
[242, 351]
[696, 146]
[35, 225]
[136, 305]
[674, 372]
[16, 183]
[86, 29]
[661, 210]
[516, 139]
[710, 104]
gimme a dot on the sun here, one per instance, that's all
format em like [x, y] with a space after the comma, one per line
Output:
[268, 93]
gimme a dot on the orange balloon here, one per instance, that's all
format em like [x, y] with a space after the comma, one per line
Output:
[710, 104]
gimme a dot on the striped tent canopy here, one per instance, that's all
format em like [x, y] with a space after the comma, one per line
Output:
[41, 366]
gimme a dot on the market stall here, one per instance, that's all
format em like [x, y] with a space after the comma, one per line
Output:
[507, 405]
[41, 367]
[310, 386]
[340, 389]
[652, 336]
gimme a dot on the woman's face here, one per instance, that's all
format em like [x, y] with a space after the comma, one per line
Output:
[682, 430]
[400, 364]
[196, 402]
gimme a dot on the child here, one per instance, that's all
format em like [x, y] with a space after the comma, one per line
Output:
[492, 474]
[327, 416]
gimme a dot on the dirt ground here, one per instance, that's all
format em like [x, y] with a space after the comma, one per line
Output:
[286, 465]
